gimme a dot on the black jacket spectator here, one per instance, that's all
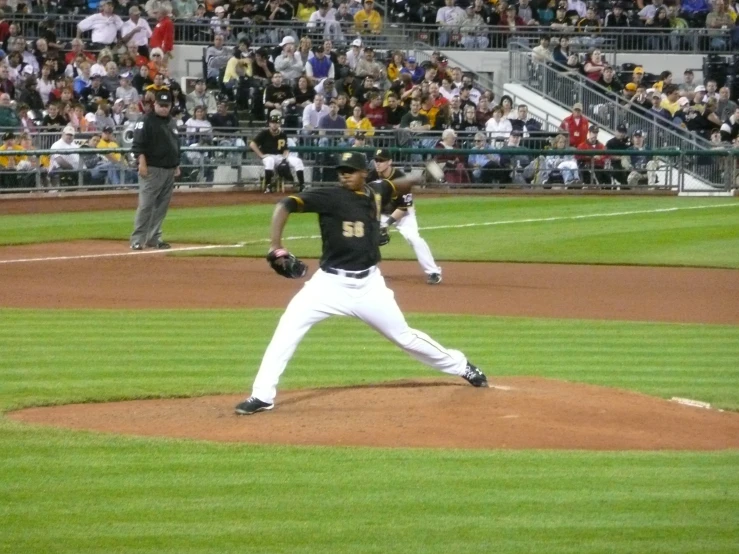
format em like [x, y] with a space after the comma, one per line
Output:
[88, 94]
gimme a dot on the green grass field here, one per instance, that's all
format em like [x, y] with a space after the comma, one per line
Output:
[72, 492]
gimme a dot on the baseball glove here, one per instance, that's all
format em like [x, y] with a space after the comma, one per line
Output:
[286, 264]
[384, 236]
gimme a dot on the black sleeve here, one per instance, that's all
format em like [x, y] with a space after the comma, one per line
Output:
[386, 189]
[320, 200]
[404, 201]
[259, 139]
[140, 136]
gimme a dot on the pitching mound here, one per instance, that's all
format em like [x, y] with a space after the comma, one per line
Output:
[516, 413]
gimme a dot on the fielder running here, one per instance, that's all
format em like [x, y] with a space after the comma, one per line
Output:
[402, 211]
[271, 146]
[348, 282]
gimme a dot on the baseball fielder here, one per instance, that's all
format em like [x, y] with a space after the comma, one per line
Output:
[271, 146]
[402, 211]
[348, 282]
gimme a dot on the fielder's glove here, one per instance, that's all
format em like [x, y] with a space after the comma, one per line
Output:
[384, 236]
[286, 264]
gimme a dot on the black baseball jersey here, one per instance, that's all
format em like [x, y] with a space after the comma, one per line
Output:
[277, 95]
[349, 222]
[271, 144]
[401, 201]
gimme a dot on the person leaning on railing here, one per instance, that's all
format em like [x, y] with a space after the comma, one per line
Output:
[368, 21]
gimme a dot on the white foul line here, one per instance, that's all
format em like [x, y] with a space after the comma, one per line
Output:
[432, 228]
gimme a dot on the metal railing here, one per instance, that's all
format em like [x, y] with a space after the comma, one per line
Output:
[487, 168]
[607, 109]
[400, 34]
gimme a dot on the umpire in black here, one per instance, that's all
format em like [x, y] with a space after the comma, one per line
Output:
[157, 149]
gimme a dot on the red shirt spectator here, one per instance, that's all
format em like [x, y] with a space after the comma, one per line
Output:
[162, 36]
[591, 143]
[374, 111]
[576, 125]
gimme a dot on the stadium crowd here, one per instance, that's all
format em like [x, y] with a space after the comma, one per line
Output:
[326, 74]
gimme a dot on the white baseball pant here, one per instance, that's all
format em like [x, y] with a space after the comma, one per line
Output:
[408, 227]
[271, 160]
[369, 300]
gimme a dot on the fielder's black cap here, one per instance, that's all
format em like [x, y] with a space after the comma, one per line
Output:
[164, 97]
[383, 155]
[353, 160]
[275, 117]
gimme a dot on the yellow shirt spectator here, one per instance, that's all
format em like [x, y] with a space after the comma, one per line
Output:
[368, 21]
[305, 10]
[364, 124]
[671, 107]
[114, 156]
[231, 66]
[11, 162]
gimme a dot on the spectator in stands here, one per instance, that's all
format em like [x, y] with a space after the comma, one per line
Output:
[671, 95]
[730, 128]
[620, 141]
[649, 11]
[201, 97]
[136, 31]
[576, 125]
[184, 9]
[368, 86]
[304, 50]
[595, 66]
[30, 96]
[312, 114]
[641, 167]
[523, 122]
[593, 166]
[332, 126]
[304, 9]
[367, 65]
[319, 66]
[138, 59]
[304, 93]
[725, 107]
[414, 120]
[449, 17]
[616, 17]
[394, 112]
[687, 87]
[506, 104]
[368, 21]
[515, 165]
[62, 161]
[278, 95]
[141, 81]
[94, 92]
[223, 120]
[125, 90]
[589, 23]
[375, 112]
[262, 68]
[327, 87]
[111, 78]
[289, 63]
[219, 23]
[118, 113]
[716, 21]
[484, 111]
[395, 66]
[498, 127]
[105, 26]
[157, 64]
[454, 165]
[114, 166]
[542, 53]
[561, 22]
[562, 165]
[660, 30]
[216, 58]
[577, 7]
[320, 18]
[473, 30]
[162, 36]
[657, 112]
[345, 22]
[482, 166]
[561, 52]
[354, 53]
[694, 11]
[358, 123]
[198, 124]
[10, 143]
[469, 125]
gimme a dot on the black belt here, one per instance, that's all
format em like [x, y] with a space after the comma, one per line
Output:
[350, 274]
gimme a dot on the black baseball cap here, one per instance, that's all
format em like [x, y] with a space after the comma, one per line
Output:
[594, 129]
[164, 97]
[10, 135]
[107, 129]
[621, 128]
[353, 160]
[275, 117]
[382, 155]
[638, 133]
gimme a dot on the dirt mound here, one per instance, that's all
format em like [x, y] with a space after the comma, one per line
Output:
[516, 413]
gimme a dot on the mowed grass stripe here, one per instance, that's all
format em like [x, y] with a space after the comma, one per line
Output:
[172, 496]
[207, 352]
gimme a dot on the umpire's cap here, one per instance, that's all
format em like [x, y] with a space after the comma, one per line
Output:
[163, 97]
[353, 160]
[383, 155]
